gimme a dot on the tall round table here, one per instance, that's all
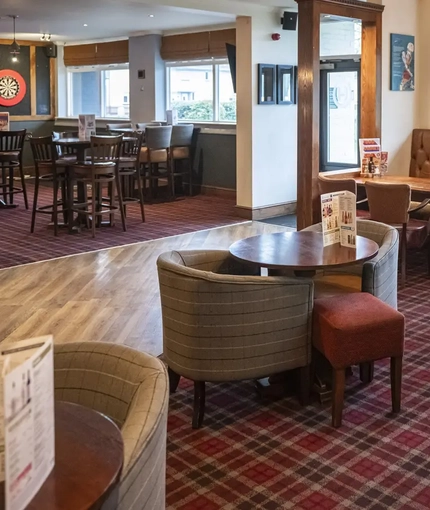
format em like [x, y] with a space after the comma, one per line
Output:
[89, 454]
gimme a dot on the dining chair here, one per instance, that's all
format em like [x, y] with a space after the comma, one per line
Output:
[67, 153]
[131, 388]
[141, 126]
[129, 172]
[11, 151]
[113, 128]
[46, 170]
[181, 153]
[222, 321]
[391, 204]
[101, 169]
[334, 185]
[420, 167]
[156, 152]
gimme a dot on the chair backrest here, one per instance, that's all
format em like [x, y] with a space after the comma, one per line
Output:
[44, 150]
[334, 185]
[420, 153]
[388, 203]
[105, 148]
[64, 134]
[132, 145]
[126, 125]
[158, 137]
[12, 141]
[141, 126]
[182, 135]
[65, 150]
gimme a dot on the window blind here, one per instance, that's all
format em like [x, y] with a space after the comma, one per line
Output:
[115, 52]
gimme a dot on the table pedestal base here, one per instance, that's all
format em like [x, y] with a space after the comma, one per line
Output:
[4, 205]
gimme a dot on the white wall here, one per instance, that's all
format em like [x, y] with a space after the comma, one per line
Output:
[423, 59]
[399, 109]
[147, 96]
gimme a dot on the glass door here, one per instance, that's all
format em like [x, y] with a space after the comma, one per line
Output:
[340, 115]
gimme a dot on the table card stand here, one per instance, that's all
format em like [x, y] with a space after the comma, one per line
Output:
[87, 126]
[339, 222]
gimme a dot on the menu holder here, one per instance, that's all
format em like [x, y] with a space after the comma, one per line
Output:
[370, 155]
[27, 433]
[339, 221]
[172, 117]
[87, 127]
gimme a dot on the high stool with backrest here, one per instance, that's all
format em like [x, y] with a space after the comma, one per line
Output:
[180, 150]
[355, 329]
[46, 170]
[156, 152]
[11, 150]
[100, 170]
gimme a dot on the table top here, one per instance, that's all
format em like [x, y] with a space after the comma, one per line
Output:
[300, 251]
[72, 141]
[122, 130]
[88, 460]
[416, 183]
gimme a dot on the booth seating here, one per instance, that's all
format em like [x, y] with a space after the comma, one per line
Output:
[420, 167]
[358, 329]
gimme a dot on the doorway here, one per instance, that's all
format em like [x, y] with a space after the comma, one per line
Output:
[340, 114]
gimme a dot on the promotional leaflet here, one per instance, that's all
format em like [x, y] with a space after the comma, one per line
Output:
[370, 155]
[4, 121]
[27, 442]
[172, 117]
[87, 126]
[339, 222]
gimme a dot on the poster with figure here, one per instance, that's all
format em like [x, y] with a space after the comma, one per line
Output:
[402, 62]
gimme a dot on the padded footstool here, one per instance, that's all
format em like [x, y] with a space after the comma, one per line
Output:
[356, 329]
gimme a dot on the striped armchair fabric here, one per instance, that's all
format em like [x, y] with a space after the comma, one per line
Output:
[131, 388]
[377, 276]
[223, 322]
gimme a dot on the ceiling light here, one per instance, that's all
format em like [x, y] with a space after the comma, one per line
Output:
[14, 48]
[14, 59]
[150, 15]
[85, 25]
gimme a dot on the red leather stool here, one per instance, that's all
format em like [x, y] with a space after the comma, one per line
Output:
[354, 329]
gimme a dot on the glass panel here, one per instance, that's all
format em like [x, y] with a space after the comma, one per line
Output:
[227, 97]
[191, 92]
[267, 80]
[340, 36]
[85, 93]
[116, 93]
[342, 118]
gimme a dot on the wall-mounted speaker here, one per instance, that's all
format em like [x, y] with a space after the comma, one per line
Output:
[289, 21]
[51, 50]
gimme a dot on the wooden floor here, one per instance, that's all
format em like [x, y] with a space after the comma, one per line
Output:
[109, 295]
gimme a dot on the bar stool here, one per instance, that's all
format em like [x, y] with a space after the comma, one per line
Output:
[180, 151]
[11, 149]
[156, 152]
[45, 164]
[129, 171]
[101, 169]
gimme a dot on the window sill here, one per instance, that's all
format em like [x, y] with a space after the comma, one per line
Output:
[100, 122]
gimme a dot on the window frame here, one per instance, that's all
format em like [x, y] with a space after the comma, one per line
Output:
[99, 69]
[215, 63]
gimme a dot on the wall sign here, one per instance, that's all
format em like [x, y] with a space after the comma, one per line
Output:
[12, 87]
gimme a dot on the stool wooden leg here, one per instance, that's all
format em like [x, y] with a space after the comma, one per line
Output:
[174, 379]
[338, 396]
[24, 189]
[366, 372]
[36, 194]
[305, 384]
[396, 382]
[11, 173]
[199, 404]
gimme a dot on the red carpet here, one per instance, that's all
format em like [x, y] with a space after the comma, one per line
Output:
[253, 454]
[188, 214]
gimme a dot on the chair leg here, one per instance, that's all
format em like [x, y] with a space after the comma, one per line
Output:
[93, 205]
[403, 246]
[428, 259]
[24, 189]
[64, 200]
[11, 172]
[174, 379]
[4, 182]
[121, 202]
[140, 191]
[396, 382]
[190, 177]
[305, 384]
[338, 391]
[36, 194]
[55, 204]
[199, 404]
[366, 372]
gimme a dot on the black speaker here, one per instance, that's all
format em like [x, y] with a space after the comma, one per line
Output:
[51, 50]
[289, 21]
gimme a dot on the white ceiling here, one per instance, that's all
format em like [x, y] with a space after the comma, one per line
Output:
[65, 19]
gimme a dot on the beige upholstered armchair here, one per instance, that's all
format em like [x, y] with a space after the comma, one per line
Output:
[377, 276]
[223, 322]
[131, 388]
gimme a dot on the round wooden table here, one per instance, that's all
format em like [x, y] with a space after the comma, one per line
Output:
[303, 252]
[80, 145]
[89, 454]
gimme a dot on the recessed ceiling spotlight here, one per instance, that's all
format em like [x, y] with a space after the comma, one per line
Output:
[327, 16]
[150, 15]
[85, 25]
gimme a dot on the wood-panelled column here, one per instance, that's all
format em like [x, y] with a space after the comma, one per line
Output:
[308, 135]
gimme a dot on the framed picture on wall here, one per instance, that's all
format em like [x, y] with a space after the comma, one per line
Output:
[402, 72]
[266, 84]
[286, 82]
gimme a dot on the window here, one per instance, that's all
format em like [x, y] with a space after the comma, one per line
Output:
[201, 91]
[100, 90]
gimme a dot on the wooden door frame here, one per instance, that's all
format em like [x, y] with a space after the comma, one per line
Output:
[308, 123]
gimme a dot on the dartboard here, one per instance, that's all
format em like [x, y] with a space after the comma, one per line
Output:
[12, 87]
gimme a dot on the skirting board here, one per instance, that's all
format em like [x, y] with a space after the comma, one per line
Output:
[218, 192]
[262, 213]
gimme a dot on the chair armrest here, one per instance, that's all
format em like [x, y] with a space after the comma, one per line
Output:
[361, 201]
[421, 206]
[216, 261]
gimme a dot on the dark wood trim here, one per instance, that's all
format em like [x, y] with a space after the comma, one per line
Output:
[33, 91]
[355, 3]
[24, 43]
[53, 84]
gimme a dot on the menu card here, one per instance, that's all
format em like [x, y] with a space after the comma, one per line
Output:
[87, 126]
[172, 117]
[339, 222]
[27, 434]
[4, 121]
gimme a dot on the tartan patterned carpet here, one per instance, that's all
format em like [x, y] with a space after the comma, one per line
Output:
[163, 219]
[253, 454]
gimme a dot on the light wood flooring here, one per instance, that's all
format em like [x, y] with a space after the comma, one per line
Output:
[109, 295]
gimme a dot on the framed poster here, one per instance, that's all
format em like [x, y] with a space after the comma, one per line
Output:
[266, 84]
[402, 71]
[286, 84]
